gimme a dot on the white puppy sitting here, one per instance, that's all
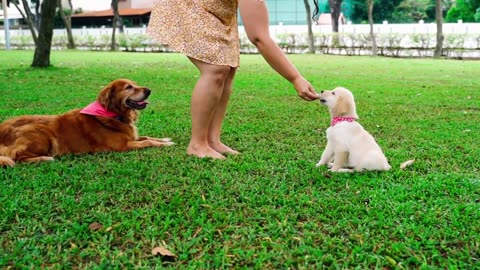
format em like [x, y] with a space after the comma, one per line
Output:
[349, 145]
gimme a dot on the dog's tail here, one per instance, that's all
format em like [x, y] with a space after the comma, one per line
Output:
[6, 161]
[406, 164]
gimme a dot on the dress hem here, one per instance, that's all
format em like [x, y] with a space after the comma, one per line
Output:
[184, 52]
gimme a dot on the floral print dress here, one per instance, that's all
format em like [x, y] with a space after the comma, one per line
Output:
[206, 30]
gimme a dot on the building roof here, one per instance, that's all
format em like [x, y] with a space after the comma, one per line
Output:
[326, 19]
[109, 13]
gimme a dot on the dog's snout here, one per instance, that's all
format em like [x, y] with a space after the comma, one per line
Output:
[147, 91]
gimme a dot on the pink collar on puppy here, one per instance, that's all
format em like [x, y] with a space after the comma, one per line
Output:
[97, 109]
[338, 119]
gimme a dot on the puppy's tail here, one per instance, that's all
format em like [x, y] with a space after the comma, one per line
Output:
[6, 161]
[406, 164]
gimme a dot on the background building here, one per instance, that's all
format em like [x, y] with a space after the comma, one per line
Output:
[135, 4]
[14, 17]
[89, 5]
[287, 12]
[136, 13]
[292, 12]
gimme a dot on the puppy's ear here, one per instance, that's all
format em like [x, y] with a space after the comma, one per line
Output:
[353, 108]
[341, 107]
[106, 96]
[354, 112]
[344, 106]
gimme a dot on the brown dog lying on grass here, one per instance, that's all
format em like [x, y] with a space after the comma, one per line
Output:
[106, 125]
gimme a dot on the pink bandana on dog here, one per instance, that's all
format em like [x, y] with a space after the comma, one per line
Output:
[97, 109]
[339, 119]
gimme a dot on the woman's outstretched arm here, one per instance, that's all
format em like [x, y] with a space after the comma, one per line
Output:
[255, 19]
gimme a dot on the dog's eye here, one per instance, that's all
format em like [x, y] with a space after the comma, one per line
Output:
[333, 93]
[129, 87]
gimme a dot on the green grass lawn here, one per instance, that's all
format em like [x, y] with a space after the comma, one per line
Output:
[268, 208]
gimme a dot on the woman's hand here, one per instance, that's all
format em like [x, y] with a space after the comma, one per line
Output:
[304, 89]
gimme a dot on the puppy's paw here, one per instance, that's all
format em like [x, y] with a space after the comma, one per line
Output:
[330, 165]
[165, 139]
[345, 170]
[322, 162]
[341, 170]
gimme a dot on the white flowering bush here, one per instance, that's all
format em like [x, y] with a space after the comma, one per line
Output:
[22, 42]
[389, 44]
[345, 43]
[454, 45]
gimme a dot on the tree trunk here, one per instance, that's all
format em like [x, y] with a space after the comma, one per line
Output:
[67, 21]
[37, 13]
[41, 58]
[335, 6]
[370, 21]
[28, 17]
[311, 45]
[116, 16]
[6, 25]
[335, 10]
[439, 20]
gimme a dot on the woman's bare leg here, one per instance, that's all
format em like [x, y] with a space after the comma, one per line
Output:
[217, 121]
[205, 99]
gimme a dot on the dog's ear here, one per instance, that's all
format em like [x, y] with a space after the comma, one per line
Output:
[341, 107]
[344, 106]
[353, 107]
[106, 96]
[354, 112]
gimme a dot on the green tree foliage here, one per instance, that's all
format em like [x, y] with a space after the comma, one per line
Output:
[323, 6]
[477, 15]
[383, 10]
[410, 11]
[446, 5]
[346, 8]
[402, 11]
[465, 10]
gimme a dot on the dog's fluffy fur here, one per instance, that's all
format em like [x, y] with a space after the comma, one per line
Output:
[349, 145]
[41, 137]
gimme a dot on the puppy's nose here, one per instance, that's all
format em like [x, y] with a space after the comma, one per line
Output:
[321, 92]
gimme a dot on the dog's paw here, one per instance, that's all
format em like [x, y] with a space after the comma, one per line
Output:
[165, 139]
[161, 143]
[321, 163]
[39, 159]
[5, 161]
[169, 143]
[341, 170]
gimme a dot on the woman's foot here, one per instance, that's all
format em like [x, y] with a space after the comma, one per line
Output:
[223, 149]
[204, 152]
